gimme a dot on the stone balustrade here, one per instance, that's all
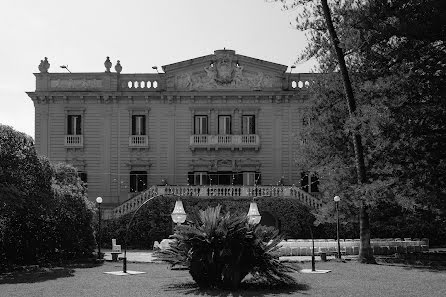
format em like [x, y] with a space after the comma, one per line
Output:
[225, 141]
[140, 82]
[74, 141]
[138, 141]
[217, 191]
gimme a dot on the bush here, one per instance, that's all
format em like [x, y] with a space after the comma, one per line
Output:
[44, 214]
[153, 222]
[72, 214]
[221, 250]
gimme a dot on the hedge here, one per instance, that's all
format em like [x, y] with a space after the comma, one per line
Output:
[153, 222]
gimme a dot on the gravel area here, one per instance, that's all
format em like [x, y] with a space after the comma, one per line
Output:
[346, 279]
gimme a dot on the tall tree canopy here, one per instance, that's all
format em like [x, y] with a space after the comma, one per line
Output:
[396, 54]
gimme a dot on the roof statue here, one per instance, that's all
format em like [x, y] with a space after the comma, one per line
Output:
[107, 64]
[44, 65]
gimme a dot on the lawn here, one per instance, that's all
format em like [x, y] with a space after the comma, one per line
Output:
[346, 279]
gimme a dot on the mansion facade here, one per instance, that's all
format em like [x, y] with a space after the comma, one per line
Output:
[218, 125]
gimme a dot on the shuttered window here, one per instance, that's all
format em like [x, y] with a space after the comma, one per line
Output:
[248, 125]
[74, 125]
[138, 125]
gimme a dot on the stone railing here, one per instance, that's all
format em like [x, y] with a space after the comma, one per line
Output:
[225, 141]
[300, 81]
[218, 191]
[74, 141]
[388, 246]
[141, 82]
[138, 141]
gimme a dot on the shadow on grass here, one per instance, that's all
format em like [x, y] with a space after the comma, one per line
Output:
[426, 268]
[36, 276]
[247, 288]
[433, 267]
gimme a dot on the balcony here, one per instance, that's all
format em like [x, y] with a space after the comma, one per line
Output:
[138, 141]
[250, 141]
[236, 192]
[74, 141]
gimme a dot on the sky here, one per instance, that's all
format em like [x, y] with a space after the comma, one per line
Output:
[139, 33]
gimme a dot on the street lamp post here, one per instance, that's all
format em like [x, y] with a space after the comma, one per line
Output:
[178, 217]
[254, 218]
[336, 200]
[99, 202]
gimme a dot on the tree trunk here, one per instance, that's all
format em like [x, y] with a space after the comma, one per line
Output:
[364, 248]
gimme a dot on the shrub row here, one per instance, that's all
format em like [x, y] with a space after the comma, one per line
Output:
[153, 221]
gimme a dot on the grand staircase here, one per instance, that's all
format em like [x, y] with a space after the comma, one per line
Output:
[217, 191]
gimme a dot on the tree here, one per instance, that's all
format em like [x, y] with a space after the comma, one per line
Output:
[72, 214]
[220, 250]
[25, 193]
[44, 214]
[395, 52]
[365, 251]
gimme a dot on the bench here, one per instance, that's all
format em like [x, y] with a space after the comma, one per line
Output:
[115, 256]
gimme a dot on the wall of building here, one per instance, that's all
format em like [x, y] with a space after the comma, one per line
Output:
[108, 159]
[107, 101]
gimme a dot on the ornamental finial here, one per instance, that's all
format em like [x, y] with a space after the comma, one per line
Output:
[118, 67]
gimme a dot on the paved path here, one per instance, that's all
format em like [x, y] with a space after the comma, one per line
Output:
[142, 256]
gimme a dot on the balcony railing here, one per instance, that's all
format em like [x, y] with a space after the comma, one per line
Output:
[218, 191]
[138, 141]
[225, 141]
[74, 141]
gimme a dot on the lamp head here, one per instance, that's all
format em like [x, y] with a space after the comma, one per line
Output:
[99, 200]
[254, 216]
[178, 214]
[337, 198]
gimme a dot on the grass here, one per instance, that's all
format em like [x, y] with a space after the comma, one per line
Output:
[346, 279]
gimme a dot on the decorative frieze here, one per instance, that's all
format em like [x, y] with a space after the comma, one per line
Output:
[73, 84]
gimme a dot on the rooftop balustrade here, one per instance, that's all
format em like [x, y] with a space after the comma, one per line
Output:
[139, 82]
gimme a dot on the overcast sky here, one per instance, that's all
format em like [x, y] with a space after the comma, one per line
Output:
[139, 33]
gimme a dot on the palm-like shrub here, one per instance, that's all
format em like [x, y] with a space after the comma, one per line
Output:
[220, 250]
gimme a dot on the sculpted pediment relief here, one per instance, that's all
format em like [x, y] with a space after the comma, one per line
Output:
[225, 70]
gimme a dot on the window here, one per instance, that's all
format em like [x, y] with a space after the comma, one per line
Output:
[83, 176]
[304, 181]
[138, 181]
[138, 125]
[309, 182]
[224, 124]
[74, 125]
[200, 178]
[201, 124]
[314, 187]
[249, 178]
[248, 124]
